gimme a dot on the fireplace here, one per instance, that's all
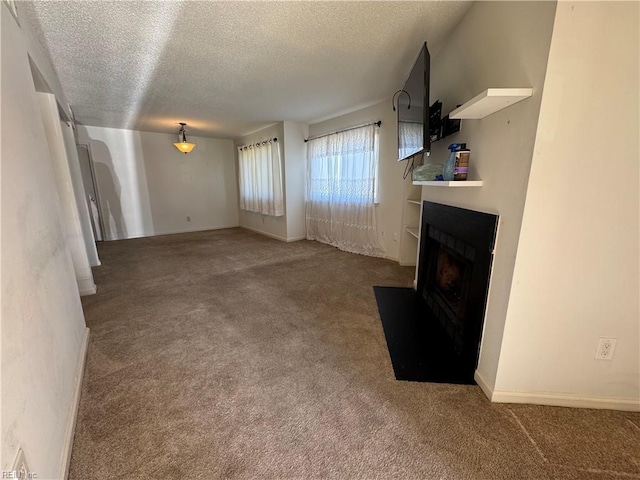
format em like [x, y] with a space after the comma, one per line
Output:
[433, 332]
[454, 266]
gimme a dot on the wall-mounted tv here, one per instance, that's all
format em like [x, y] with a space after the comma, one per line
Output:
[413, 110]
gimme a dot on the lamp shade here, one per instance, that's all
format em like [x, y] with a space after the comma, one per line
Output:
[182, 144]
[184, 147]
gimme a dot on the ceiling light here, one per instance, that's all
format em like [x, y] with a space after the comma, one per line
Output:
[184, 146]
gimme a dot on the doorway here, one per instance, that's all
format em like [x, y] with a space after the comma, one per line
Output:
[91, 190]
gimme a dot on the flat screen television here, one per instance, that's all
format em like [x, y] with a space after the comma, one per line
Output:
[413, 110]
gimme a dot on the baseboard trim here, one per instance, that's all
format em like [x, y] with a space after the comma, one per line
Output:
[563, 400]
[483, 384]
[266, 234]
[296, 239]
[73, 414]
[87, 287]
[175, 232]
[557, 399]
[112, 238]
[194, 230]
[407, 264]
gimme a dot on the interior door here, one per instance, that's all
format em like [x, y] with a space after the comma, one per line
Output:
[90, 189]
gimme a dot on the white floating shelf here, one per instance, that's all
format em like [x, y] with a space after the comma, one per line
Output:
[415, 202]
[412, 231]
[490, 101]
[459, 183]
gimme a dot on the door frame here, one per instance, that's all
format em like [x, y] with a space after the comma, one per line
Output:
[95, 187]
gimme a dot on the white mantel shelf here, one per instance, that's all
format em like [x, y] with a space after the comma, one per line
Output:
[490, 101]
[458, 184]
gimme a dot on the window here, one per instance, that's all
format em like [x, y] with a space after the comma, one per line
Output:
[411, 140]
[260, 171]
[343, 167]
[342, 187]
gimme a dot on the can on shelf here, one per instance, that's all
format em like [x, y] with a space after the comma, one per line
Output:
[462, 164]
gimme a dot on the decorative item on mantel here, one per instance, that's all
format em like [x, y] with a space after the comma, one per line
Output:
[456, 167]
[462, 163]
[427, 172]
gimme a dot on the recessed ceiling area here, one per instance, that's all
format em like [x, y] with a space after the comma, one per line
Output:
[230, 68]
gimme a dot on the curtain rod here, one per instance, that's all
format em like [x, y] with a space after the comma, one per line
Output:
[258, 144]
[378, 123]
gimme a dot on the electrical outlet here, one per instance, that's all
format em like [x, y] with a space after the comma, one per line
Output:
[395, 237]
[381, 233]
[606, 348]
[188, 219]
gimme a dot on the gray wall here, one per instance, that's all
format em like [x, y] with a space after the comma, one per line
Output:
[497, 44]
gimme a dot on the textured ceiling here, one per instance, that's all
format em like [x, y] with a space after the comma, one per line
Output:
[229, 68]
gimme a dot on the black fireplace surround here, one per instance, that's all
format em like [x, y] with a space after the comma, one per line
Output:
[433, 333]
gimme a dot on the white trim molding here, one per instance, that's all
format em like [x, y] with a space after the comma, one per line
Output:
[403, 264]
[86, 287]
[271, 235]
[483, 384]
[118, 236]
[557, 399]
[296, 239]
[75, 403]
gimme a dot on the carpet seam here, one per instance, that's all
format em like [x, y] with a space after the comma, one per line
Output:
[597, 470]
[634, 425]
[528, 435]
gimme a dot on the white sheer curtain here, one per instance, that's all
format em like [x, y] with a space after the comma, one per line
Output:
[341, 188]
[260, 171]
[410, 138]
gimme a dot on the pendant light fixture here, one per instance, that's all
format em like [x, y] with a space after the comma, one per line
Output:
[184, 146]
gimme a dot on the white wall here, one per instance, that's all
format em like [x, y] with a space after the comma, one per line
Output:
[68, 205]
[41, 60]
[42, 322]
[271, 226]
[576, 275]
[391, 195]
[497, 44]
[147, 187]
[68, 134]
[295, 176]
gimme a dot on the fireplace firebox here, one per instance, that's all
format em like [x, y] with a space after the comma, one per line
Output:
[454, 266]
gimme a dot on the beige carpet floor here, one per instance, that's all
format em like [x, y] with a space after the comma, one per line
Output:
[226, 354]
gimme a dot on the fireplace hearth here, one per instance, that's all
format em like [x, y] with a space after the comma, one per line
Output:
[434, 332]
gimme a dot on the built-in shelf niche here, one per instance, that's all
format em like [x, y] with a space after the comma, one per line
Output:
[410, 227]
[413, 231]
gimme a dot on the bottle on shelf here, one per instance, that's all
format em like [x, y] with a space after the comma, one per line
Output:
[449, 169]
